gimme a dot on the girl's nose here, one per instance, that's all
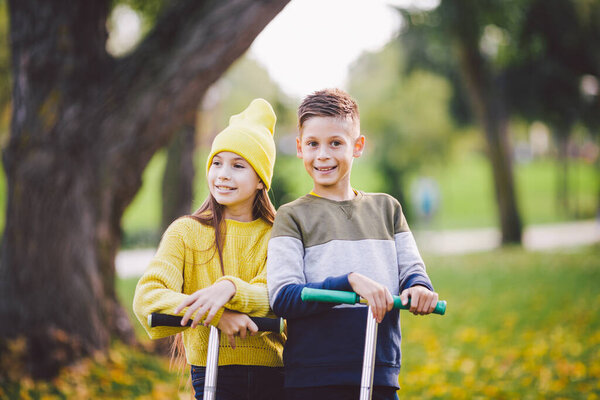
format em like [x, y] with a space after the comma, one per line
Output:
[223, 174]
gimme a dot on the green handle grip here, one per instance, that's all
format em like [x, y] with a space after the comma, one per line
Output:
[343, 297]
[329, 296]
[440, 307]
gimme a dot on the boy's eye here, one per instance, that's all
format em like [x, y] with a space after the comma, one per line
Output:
[336, 143]
[312, 144]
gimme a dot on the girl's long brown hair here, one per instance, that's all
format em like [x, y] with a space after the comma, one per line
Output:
[211, 213]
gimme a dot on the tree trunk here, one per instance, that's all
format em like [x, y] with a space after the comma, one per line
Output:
[598, 181]
[395, 186]
[562, 175]
[84, 126]
[178, 178]
[487, 99]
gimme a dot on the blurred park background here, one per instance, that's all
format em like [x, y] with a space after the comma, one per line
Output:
[481, 117]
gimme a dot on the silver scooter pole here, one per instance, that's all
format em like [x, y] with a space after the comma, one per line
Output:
[366, 381]
[212, 364]
[212, 356]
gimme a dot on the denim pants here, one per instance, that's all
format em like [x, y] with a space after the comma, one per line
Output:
[338, 393]
[241, 382]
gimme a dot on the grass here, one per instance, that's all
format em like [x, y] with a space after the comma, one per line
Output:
[467, 193]
[519, 325]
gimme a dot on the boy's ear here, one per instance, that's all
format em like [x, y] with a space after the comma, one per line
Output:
[298, 147]
[359, 146]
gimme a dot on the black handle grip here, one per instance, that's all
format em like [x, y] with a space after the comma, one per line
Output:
[264, 324]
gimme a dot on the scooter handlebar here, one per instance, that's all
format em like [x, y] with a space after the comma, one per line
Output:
[264, 324]
[343, 297]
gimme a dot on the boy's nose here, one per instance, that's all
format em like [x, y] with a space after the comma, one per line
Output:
[323, 154]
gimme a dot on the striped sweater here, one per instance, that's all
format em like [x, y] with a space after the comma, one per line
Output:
[317, 242]
[186, 261]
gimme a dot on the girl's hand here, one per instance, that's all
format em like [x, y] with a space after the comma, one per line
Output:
[233, 323]
[208, 300]
[378, 296]
[422, 300]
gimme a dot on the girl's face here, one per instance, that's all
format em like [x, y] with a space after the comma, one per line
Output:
[233, 183]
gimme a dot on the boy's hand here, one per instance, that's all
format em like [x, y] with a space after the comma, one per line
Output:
[208, 300]
[422, 300]
[233, 323]
[378, 296]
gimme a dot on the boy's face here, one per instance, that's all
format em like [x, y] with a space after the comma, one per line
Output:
[328, 146]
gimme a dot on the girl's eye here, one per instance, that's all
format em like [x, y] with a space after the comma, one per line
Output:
[215, 162]
[239, 166]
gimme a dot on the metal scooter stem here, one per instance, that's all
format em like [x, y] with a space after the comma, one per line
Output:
[212, 364]
[366, 381]
[212, 355]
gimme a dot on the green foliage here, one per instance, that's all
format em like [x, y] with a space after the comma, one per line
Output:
[554, 50]
[405, 118]
[244, 81]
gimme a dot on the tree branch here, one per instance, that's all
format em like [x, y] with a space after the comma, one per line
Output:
[149, 91]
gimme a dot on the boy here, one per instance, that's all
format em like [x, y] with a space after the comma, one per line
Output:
[341, 239]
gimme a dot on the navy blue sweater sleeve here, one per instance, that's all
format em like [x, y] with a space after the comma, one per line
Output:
[289, 304]
[416, 279]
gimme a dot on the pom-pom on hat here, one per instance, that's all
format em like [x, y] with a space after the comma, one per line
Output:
[250, 135]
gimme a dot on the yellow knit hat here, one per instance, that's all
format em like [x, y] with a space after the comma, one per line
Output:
[250, 135]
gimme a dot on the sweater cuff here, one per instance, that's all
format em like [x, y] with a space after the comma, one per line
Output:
[251, 299]
[415, 280]
[234, 281]
[338, 283]
[238, 295]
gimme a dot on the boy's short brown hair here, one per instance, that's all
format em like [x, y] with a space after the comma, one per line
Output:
[329, 103]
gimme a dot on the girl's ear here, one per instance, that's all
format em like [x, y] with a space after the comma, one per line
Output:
[260, 186]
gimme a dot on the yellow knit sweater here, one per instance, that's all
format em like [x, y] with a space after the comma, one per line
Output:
[186, 261]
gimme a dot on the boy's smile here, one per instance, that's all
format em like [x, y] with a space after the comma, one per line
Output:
[328, 146]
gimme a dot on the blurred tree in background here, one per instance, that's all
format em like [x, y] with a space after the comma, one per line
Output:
[552, 58]
[404, 117]
[448, 39]
[5, 81]
[91, 122]
[505, 59]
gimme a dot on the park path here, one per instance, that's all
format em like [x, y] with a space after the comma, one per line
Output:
[132, 263]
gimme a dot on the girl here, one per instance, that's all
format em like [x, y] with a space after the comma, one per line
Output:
[214, 264]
